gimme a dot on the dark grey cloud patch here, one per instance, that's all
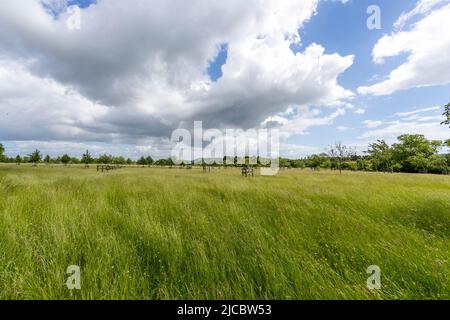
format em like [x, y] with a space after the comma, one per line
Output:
[137, 69]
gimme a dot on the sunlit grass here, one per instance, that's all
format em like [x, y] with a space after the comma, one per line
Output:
[183, 234]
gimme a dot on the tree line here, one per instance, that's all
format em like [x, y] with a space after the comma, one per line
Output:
[36, 157]
[412, 153]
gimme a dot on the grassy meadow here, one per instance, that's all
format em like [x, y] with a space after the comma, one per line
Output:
[144, 233]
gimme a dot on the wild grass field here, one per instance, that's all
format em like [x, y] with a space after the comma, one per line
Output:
[183, 234]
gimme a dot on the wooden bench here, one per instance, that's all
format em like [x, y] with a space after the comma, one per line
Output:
[107, 167]
[247, 172]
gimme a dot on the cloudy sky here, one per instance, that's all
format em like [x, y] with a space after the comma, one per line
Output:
[126, 74]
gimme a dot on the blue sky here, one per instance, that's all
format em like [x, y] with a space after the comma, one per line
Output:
[56, 7]
[341, 28]
[89, 89]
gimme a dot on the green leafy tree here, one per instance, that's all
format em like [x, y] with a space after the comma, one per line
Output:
[35, 157]
[419, 163]
[87, 159]
[396, 167]
[2, 153]
[380, 154]
[447, 157]
[446, 122]
[47, 159]
[438, 164]
[105, 159]
[65, 159]
[316, 161]
[298, 164]
[18, 160]
[118, 160]
[285, 163]
[350, 165]
[446, 114]
[413, 150]
[363, 164]
[149, 161]
[75, 160]
[164, 162]
[142, 161]
[339, 153]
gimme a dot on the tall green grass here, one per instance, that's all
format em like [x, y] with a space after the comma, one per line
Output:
[180, 234]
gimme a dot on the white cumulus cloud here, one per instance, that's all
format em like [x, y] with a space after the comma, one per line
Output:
[136, 69]
[427, 45]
